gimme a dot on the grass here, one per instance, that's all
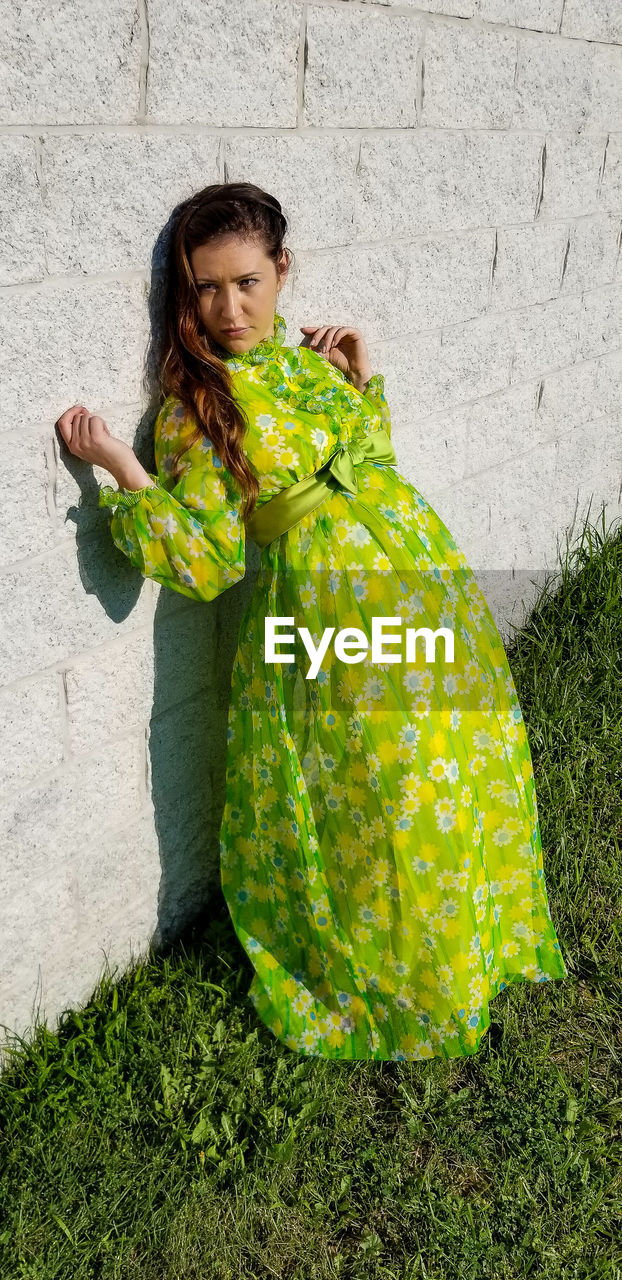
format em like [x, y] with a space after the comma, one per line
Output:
[162, 1132]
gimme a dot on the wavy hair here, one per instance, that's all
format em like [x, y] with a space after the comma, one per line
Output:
[190, 367]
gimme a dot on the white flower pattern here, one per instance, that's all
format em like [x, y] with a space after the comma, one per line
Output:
[380, 848]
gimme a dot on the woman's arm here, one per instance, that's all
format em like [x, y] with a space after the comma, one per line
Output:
[130, 474]
[187, 535]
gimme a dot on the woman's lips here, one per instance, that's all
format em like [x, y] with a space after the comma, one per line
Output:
[233, 333]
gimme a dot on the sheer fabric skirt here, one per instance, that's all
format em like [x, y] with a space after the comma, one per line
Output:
[380, 849]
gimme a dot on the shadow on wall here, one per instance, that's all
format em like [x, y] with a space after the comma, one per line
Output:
[187, 746]
[194, 646]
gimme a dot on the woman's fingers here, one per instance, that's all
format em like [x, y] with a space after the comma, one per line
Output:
[83, 432]
[331, 334]
[69, 414]
[323, 336]
[317, 332]
[66, 421]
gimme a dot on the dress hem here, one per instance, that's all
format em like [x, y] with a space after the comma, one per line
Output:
[463, 1049]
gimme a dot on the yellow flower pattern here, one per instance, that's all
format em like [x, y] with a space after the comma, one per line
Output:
[380, 847]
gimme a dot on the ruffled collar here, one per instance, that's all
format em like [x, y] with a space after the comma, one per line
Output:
[262, 351]
[300, 378]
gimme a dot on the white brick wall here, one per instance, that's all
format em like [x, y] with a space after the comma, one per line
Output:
[452, 171]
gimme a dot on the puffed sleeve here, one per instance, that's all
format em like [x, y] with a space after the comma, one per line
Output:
[187, 535]
[374, 392]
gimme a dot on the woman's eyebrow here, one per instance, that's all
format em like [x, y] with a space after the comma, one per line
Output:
[209, 280]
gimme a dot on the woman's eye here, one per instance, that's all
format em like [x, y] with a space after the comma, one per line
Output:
[249, 280]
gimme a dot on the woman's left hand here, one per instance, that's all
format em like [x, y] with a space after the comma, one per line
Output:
[343, 347]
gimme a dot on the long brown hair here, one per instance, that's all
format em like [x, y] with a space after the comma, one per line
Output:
[190, 367]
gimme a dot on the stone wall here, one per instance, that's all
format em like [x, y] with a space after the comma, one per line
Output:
[452, 172]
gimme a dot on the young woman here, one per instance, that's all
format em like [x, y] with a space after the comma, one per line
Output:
[380, 847]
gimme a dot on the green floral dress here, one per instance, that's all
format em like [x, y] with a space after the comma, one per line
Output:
[380, 847]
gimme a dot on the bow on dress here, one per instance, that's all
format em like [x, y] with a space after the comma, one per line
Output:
[373, 447]
[287, 507]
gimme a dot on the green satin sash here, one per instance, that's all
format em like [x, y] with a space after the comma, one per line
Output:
[289, 505]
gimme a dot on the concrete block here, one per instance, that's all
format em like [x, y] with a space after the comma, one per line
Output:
[109, 196]
[447, 278]
[510, 595]
[361, 67]
[606, 90]
[468, 77]
[117, 887]
[553, 86]
[610, 193]
[566, 396]
[26, 524]
[534, 15]
[599, 20]
[39, 928]
[78, 64]
[600, 321]
[22, 254]
[31, 729]
[139, 677]
[452, 8]
[362, 286]
[546, 337]
[500, 427]
[436, 180]
[528, 265]
[224, 63]
[69, 810]
[288, 166]
[89, 341]
[60, 605]
[592, 253]
[571, 175]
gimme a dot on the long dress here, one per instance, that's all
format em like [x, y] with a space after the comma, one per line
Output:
[380, 849]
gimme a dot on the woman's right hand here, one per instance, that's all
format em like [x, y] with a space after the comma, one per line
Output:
[87, 436]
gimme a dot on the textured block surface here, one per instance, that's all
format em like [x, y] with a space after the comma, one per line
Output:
[451, 172]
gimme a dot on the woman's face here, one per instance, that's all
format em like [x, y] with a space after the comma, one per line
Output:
[238, 287]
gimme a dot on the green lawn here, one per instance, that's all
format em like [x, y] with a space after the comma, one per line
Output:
[163, 1132]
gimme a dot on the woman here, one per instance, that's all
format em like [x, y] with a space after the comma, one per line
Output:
[380, 847]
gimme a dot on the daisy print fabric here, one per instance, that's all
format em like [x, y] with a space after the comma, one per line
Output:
[380, 848]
